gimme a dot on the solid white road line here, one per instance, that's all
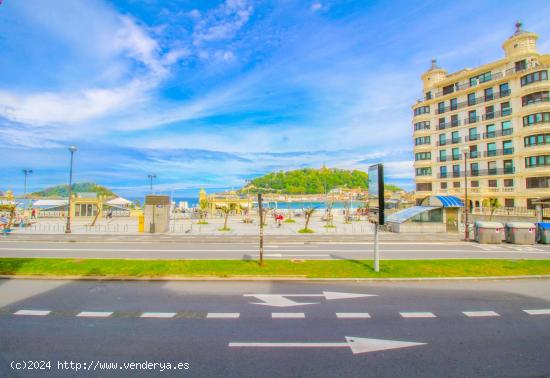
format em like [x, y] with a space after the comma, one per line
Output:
[417, 314]
[223, 315]
[94, 314]
[288, 315]
[545, 311]
[476, 314]
[353, 315]
[32, 312]
[163, 315]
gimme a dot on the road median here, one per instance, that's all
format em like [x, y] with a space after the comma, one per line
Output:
[272, 269]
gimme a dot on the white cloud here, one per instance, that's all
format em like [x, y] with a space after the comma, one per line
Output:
[316, 7]
[223, 22]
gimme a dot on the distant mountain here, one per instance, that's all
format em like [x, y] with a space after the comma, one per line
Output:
[63, 190]
[311, 181]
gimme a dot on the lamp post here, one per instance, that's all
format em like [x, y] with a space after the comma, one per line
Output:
[26, 172]
[72, 150]
[466, 151]
[151, 177]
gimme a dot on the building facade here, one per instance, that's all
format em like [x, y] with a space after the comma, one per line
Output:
[488, 127]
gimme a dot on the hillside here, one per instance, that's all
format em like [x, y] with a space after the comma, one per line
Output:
[310, 181]
[63, 190]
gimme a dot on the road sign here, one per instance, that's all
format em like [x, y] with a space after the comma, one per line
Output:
[376, 194]
[356, 344]
[282, 300]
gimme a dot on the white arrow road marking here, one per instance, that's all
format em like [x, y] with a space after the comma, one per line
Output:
[281, 300]
[356, 344]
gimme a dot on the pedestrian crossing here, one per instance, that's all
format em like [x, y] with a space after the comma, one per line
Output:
[273, 315]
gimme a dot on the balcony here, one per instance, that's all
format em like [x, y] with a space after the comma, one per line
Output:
[442, 142]
[446, 125]
[476, 101]
[505, 151]
[471, 120]
[497, 133]
[470, 138]
[480, 172]
[442, 159]
[535, 101]
[456, 140]
[499, 113]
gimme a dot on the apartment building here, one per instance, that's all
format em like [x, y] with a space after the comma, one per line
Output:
[487, 129]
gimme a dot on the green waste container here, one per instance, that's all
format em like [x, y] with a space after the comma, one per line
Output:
[543, 233]
[488, 232]
[520, 233]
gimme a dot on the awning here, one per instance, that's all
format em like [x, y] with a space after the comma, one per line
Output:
[443, 201]
[406, 214]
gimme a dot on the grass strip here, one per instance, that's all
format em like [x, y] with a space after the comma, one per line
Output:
[309, 268]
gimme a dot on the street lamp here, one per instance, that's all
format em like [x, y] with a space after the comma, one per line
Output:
[151, 177]
[466, 151]
[72, 150]
[26, 172]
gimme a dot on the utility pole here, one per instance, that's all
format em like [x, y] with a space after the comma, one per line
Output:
[466, 228]
[26, 172]
[72, 150]
[151, 177]
[261, 210]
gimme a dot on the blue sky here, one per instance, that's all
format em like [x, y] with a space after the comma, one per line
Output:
[211, 93]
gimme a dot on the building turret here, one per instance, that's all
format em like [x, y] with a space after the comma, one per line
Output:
[433, 76]
[520, 43]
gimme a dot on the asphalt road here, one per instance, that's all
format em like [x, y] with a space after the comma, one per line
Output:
[217, 328]
[282, 250]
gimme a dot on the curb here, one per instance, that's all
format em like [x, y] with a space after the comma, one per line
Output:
[272, 278]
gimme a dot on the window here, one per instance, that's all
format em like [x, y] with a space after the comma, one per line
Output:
[471, 99]
[535, 98]
[488, 94]
[534, 77]
[537, 182]
[473, 152]
[493, 183]
[490, 131]
[428, 95]
[442, 139]
[486, 76]
[537, 161]
[422, 140]
[521, 65]
[442, 155]
[424, 171]
[456, 184]
[455, 137]
[424, 187]
[474, 184]
[454, 104]
[474, 169]
[536, 140]
[533, 119]
[444, 185]
[491, 149]
[507, 147]
[456, 153]
[508, 183]
[423, 156]
[506, 128]
[441, 124]
[448, 89]
[443, 172]
[504, 89]
[490, 112]
[472, 116]
[441, 107]
[472, 134]
[454, 120]
[492, 167]
[424, 125]
[508, 166]
[530, 204]
[456, 170]
[505, 109]
[508, 202]
[422, 110]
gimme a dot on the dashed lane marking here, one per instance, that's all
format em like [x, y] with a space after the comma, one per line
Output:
[160, 315]
[480, 314]
[223, 315]
[32, 312]
[545, 311]
[288, 315]
[94, 314]
[353, 315]
[417, 314]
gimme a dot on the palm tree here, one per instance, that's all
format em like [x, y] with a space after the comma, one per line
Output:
[203, 207]
[226, 210]
[308, 212]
